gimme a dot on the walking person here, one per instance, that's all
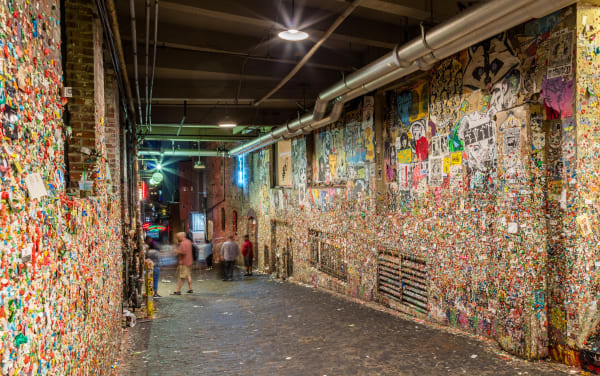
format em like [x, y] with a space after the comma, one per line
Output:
[248, 254]
[229, 252]
[153, 254]
[186, 260]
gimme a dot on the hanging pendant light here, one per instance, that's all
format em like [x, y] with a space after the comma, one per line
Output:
[293, 34]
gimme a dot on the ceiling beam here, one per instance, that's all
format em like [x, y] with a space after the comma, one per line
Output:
[266, 24]
[168, 137]
[226, 102]
[182, 153]
[272, 59]
[186, 88]
[197, 74]
[177, 125]
[394, 8]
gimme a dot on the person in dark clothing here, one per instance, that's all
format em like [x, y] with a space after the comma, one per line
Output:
[208, 256]
[248, 254]
[153, 254]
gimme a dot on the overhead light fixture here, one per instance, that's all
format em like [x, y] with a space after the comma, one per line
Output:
[157, 177]
[227, 123]
[293, 35]
[199, 165]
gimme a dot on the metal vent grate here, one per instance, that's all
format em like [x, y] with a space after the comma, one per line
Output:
[402, 279]
[414, 282]
[388, 281]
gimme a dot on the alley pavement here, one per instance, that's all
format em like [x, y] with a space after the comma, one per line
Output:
[258, 326]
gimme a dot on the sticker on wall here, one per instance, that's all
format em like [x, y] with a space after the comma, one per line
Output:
[584, 225]
[436, 174]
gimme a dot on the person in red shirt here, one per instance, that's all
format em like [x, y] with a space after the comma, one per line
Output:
[186, 260]
[248, 254]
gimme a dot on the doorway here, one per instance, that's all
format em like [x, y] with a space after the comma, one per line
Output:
[282, 251]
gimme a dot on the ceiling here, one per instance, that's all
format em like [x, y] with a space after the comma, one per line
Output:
[216, 58]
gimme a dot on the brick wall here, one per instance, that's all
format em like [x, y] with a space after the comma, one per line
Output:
[79, 74]
[112, 126]
[61, 256]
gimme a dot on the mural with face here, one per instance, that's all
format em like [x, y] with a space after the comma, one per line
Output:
[446, 95]
[489, 62]
[404, 103]
[477, 132]
[420, 145]
[298, 161]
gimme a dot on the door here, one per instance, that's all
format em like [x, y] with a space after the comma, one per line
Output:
[253, 236]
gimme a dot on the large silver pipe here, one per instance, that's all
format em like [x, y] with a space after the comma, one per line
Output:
[183, 153]
[439, 36]
[379, 75]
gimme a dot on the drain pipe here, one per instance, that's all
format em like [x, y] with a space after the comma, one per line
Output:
[110, 5]
[147, 52]
[153, 64]
[428, 55]
[135, 57]
[223, 180]
[183, 118]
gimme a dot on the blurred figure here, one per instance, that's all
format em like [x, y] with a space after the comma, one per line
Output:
[248, 254]
[208, 254]
[153, 254]
[186, 260]
[229, 252]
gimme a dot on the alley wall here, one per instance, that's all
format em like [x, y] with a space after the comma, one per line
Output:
[60, 255]
[464, 195]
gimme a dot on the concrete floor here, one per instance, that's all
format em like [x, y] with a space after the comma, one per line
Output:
[257, 326]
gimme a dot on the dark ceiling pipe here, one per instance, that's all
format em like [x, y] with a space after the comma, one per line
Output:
[119, 46]
[153, 63]
[147, 52]
[135, 58]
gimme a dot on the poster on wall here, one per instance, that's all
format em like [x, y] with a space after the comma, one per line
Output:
[561, 54]
[284, 163]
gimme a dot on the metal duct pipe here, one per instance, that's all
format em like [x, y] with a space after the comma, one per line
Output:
[334, 116]
[358, 84]
[183, 153]
[437, 37]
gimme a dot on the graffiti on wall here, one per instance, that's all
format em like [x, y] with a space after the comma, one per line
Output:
[465, 155]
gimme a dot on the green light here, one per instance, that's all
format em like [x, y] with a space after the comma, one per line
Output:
[157, 177]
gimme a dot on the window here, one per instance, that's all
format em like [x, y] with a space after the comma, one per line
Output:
[223, 219]
[234, 217]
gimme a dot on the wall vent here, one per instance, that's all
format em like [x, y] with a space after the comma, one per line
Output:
[402, 280]
[327, 255]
